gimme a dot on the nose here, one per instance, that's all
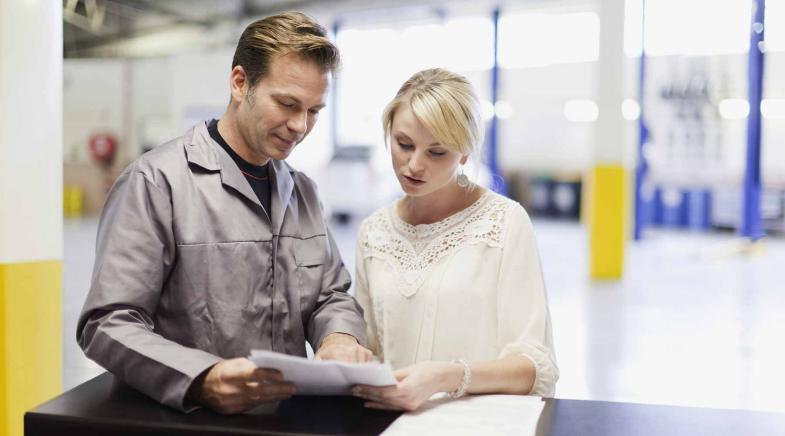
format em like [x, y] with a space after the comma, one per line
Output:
[416, 163]
[298, 122]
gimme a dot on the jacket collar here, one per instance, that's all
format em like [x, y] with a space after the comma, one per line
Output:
[201, 150]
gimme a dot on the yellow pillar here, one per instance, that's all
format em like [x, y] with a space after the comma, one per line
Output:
[607, 220]
[608, 194]
[31, 195]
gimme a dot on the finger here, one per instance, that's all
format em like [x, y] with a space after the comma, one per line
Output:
[377, 397]
[380, 390]
[273, 390]
[363, 355]
[338, 356]
[381, 406]
[374, 398]
[267, 375]
[358, 355]
[268, 397]
[236, 370]
[341, 353]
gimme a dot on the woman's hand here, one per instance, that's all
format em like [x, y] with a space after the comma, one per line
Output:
[416, 384]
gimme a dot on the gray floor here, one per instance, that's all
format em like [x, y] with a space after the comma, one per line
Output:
[698, 320]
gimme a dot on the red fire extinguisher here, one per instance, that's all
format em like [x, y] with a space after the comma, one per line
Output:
[103, 147]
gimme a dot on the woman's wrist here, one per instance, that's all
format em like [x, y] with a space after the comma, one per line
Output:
[451, 377]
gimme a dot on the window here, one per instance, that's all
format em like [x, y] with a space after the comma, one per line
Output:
[696, 27]
[376, 62]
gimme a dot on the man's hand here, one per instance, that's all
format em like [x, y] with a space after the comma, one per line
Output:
[237, 385]
[343, 347]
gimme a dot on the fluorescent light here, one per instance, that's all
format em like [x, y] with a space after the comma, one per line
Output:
[734, 108]
[630, 109]
[581, 111]
[503, 109]
[773, 108]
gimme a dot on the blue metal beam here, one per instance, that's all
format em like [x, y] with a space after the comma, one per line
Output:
[751, 225]
[497, 182]
[642, 167]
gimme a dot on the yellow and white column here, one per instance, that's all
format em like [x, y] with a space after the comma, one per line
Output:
[609, 199]
[31, 190]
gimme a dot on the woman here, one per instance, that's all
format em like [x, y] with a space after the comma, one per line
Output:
[449, 275]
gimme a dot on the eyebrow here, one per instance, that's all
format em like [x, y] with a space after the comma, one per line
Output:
[405, 137]
[297, 100]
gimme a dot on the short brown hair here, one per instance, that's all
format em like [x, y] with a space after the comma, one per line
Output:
[289, 32]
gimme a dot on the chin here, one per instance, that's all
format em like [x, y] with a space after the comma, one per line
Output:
[413, 192]
[282, 155]
[278, 154]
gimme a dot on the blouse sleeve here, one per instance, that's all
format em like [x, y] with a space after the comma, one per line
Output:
[524, 320]
[362, 293]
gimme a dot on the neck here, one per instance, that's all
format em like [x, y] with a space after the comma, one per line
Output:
[438, 205]
[229, 129]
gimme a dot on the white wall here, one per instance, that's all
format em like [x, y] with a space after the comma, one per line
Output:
[146, 102]
[773, 135]
[93, 102]
[537, 137]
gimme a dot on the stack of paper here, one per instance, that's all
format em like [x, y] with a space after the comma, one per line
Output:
[324, 377]
[472, 415]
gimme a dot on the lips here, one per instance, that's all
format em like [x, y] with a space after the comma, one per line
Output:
[289, 143]
[413, 181]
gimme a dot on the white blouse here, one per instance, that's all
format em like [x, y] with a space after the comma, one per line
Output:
[469, 286]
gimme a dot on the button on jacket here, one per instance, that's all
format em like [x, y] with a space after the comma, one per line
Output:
[190, 270]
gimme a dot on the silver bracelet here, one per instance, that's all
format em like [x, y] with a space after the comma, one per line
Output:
[465, 381]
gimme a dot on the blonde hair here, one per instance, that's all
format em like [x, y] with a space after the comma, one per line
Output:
[289, 32]
[446, 104]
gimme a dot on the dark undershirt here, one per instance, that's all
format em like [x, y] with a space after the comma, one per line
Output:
[257, 175]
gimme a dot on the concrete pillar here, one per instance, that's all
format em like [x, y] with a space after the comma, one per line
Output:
[31, 192]
[609, 199]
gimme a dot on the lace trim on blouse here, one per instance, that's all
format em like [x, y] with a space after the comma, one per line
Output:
[413, 250]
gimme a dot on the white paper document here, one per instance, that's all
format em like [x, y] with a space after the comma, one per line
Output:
[472, 415]
[324, 377]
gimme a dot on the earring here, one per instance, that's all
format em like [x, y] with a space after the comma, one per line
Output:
[463, 180]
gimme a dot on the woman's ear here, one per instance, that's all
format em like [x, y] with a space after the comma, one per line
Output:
[464, 158]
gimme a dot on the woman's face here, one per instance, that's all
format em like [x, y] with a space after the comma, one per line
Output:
[422, 165]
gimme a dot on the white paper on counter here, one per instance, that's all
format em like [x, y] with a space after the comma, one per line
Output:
[324, 377]
[472, 415]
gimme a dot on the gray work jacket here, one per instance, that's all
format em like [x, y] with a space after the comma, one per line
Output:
[189, 270]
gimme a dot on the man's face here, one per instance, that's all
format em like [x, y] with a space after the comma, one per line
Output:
[283, 107]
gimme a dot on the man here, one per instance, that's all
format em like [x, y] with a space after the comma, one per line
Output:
[211, 245]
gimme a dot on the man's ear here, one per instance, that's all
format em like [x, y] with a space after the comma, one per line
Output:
[238, 82]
